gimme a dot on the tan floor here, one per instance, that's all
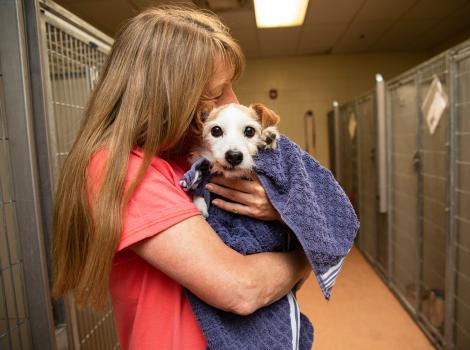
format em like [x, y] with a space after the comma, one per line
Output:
[362, 313]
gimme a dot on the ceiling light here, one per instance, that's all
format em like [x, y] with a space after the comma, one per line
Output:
[280, 13]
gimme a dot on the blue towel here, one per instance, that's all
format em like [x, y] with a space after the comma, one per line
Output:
[315, 209]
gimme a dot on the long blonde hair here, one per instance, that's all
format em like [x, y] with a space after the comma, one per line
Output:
[148, 96]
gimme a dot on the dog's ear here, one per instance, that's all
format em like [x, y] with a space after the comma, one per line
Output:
[266, 116]
[197, 123]
[203, 113]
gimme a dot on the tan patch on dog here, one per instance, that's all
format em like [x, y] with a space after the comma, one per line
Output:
[266, 116]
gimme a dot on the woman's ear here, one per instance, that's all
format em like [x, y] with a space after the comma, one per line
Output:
[266, 116]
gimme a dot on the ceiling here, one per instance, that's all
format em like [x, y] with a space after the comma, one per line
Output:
[331, 26]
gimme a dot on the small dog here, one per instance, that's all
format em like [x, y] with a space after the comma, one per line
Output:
[231, 137]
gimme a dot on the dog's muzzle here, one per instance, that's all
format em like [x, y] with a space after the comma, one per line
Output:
[234, 157]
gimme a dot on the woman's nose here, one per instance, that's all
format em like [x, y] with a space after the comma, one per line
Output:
[229, 97]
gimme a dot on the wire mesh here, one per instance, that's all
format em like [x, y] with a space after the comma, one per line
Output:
[74, 66]
[433, 198]
[403, 188]
[97, 331]
[373, 235]
[462, 213]
[368, 176]
[348, 153]
[14, 319]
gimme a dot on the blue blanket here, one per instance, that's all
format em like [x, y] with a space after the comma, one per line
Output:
[315, 209]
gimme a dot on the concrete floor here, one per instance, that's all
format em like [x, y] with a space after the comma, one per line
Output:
[362, 313]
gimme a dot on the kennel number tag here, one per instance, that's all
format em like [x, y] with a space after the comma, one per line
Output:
[434, 104]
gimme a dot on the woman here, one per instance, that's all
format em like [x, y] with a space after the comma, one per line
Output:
[122, 222]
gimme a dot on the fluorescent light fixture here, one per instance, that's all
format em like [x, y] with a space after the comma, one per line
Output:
[280, 13]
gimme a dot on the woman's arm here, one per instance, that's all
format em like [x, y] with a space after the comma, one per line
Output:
[191, 253]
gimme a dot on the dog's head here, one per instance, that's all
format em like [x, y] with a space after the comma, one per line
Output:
[232, 135]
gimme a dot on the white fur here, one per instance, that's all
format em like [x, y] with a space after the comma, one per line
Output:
[232, 119]
[200, 203]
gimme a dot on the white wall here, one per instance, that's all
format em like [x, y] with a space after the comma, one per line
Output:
[313, 82]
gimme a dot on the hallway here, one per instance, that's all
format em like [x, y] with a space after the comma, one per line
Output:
[362, 313]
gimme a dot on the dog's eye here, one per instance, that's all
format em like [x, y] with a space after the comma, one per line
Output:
[216, 131]
[249, 131]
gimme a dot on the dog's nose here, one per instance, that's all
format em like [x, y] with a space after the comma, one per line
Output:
[234, 157]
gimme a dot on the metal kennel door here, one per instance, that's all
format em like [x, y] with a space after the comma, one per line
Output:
[403, 187]
[434, 173]
[348, 176]
[74, 57]
[74, 61]
[373, 232]
[14, 319]
[419, 195]
[367, 136]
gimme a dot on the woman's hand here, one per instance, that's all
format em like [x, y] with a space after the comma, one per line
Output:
[249, 196]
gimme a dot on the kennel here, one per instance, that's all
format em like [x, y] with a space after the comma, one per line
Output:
[421, 243]
[419, 185]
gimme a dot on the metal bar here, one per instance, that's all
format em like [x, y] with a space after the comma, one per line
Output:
[337, 141]
[359, 118]
[449, 337]
[72, 324]
[461, 51]
[381, 143]
[95, 64]
[49, 93]
[402, 79]
[89, 64]
[67, 124]
[419, 202]
[388, 133]
[63, 118]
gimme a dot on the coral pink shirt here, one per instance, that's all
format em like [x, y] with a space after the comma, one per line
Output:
[150, 309]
